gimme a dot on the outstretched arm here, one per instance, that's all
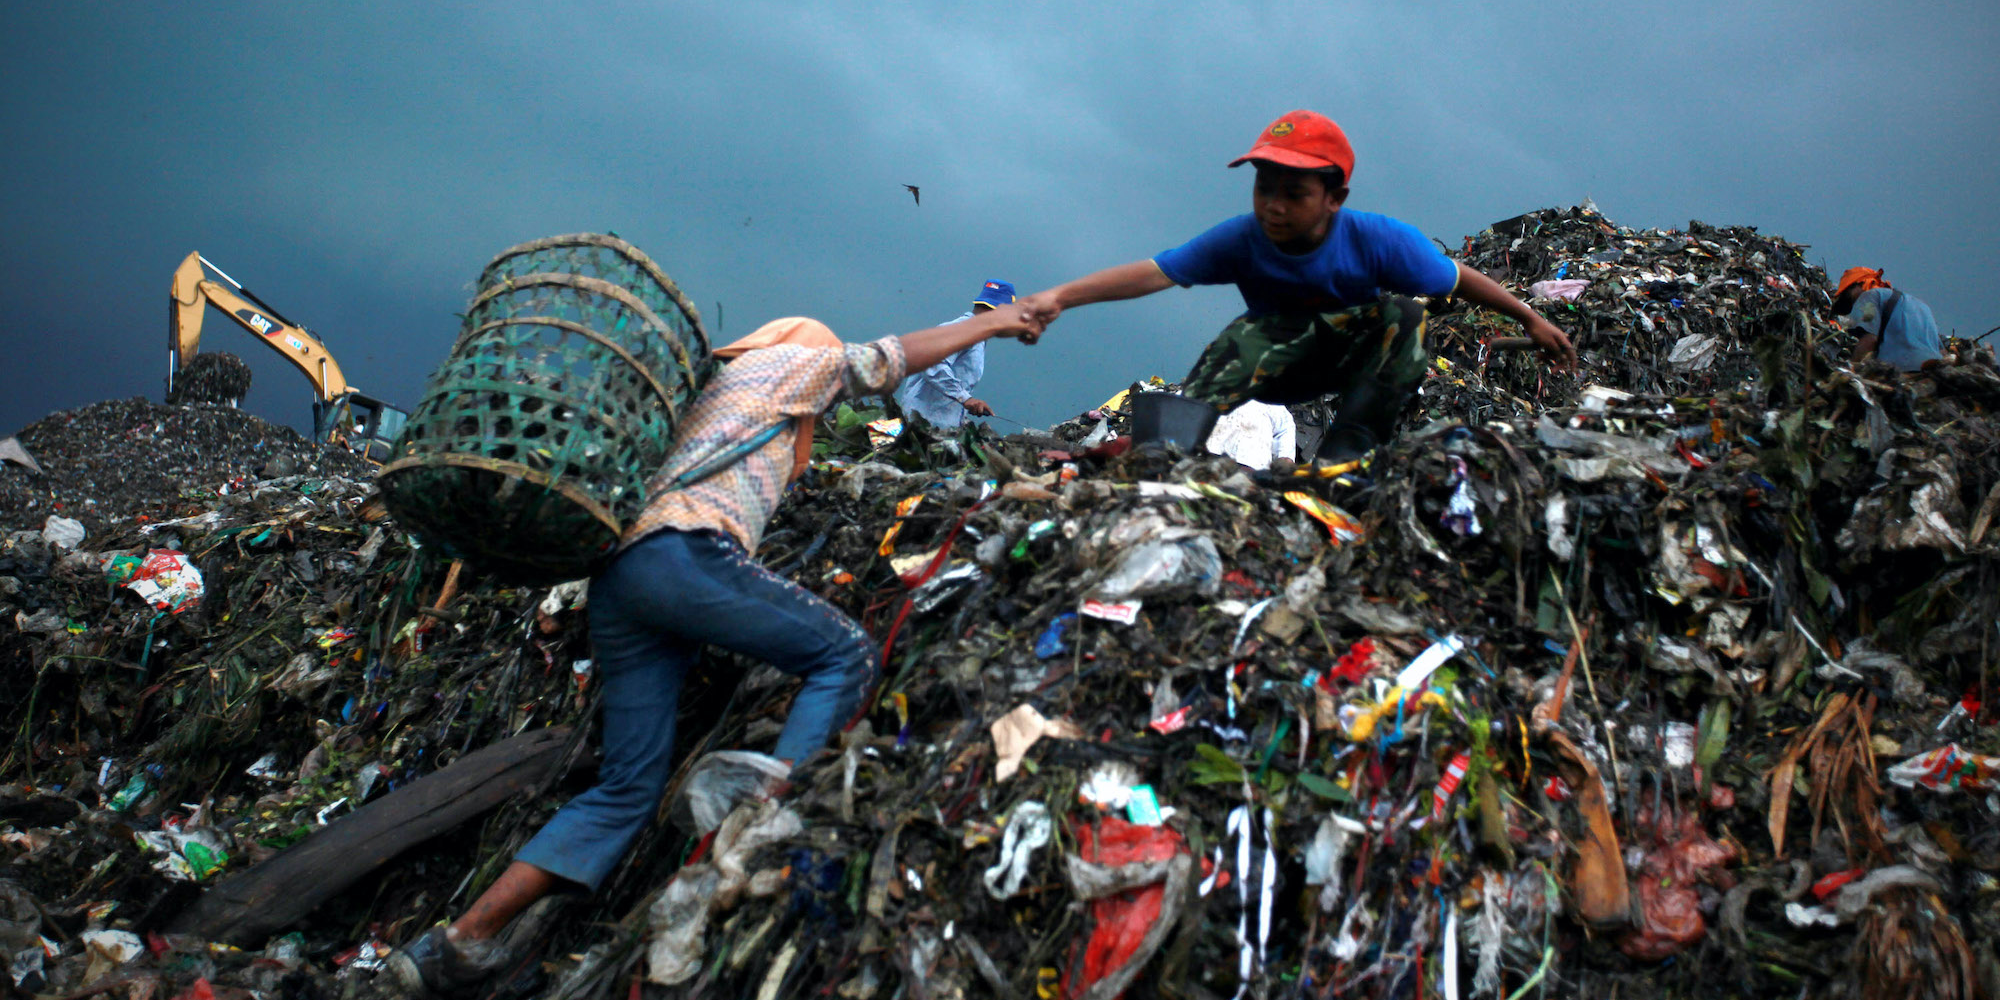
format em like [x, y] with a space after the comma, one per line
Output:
[1126, 281]
[1477, 288]
[925, 348]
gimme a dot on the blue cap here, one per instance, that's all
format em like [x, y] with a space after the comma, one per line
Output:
[995, 293]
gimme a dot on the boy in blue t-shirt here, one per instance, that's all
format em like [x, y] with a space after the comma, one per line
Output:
[1326, 292]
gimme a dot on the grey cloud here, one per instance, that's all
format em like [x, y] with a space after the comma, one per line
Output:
[358, 165]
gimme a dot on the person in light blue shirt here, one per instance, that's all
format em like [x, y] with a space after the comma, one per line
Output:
[942, 393]
[1895, 327]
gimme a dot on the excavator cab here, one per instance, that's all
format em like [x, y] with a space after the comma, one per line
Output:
[363, 424]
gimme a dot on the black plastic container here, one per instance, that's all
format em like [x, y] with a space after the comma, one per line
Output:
[1166, 418]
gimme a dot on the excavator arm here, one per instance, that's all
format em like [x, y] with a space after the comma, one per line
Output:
[194, 292]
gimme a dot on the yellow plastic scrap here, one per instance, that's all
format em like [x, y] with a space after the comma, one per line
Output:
[1215, 492]
[1046, 984]
[903, 509]
[1360, 720]
[1340, 525]
[1527, 763]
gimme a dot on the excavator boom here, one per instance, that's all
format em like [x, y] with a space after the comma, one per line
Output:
[194, 292]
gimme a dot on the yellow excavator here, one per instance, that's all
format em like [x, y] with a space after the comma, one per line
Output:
[342, 415]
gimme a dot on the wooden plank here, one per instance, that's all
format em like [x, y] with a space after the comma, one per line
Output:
[246, 908]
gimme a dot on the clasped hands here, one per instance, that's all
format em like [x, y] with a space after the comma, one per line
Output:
[1026, 319]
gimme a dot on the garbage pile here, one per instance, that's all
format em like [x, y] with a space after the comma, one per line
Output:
[1665, 312]
[1623, 685]
[122, 460]
[207, 666]
[213, 377]
[1111, 418]
[1615, 699]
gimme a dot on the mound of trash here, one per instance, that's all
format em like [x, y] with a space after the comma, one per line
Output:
[1658, 311]
[1668, 672]
[124, 459]
[214, 377]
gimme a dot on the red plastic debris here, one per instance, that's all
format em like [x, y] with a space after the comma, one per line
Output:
[1721, 796]
[1119, 922]
[1172, 721]
[1831, 884]
[1353, 664]
[1454, 773]
[1111, 449]
[1679, 854]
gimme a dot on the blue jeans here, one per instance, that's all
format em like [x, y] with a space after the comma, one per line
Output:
[651, 611]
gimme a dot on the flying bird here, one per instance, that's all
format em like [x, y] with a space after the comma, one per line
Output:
[914, 196]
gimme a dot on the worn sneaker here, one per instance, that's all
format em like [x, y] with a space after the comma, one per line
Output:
[434, 965]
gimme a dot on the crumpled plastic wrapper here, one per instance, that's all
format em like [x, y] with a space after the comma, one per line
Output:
[1948, 768]
[1917, 507]
[678, 919]
[1609, 455]
[1693, 353]
[1155, 559]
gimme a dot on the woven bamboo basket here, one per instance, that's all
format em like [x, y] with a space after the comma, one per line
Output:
[531, 447]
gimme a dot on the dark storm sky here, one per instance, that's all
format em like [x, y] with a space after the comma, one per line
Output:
[357, 163]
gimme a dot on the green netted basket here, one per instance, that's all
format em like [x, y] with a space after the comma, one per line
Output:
[531, 447]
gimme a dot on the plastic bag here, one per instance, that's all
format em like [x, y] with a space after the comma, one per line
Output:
[1027, 829]
[1144, 556]
[108, 950]
[1612, 454]
[1948, 768]
[1122, 916]
[1566, 289]
[164, 579]
[678, 921]
[1693, 353]
[1051, 642]
[720, 782]
[62, 532]
[1163, 566]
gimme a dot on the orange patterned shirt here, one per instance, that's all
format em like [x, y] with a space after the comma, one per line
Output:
[748, 395]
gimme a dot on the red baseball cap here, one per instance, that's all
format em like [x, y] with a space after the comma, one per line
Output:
[1307, 140]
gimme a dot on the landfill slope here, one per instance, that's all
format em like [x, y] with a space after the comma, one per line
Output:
[1666, 677]
[120, 459]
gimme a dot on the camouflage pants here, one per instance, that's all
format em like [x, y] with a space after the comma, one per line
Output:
[1298, 358]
